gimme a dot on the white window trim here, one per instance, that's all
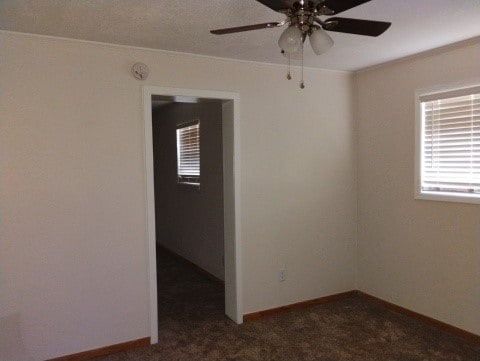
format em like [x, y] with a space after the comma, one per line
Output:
[436, 196]
[188, 180]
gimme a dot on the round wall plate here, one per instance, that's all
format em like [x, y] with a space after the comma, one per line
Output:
[140, 71]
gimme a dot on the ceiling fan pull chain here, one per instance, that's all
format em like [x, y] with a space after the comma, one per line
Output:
[289, 76]
[302, 84]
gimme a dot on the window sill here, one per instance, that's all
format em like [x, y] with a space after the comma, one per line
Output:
[188, 186]
[448, 197]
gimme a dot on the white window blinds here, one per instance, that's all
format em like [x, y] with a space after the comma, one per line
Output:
[451, 142]
[188, 152]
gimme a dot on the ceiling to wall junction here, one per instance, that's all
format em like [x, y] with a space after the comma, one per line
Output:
[183, 26]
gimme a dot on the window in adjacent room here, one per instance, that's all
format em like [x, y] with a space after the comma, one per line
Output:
[188, 153]
[448, 145]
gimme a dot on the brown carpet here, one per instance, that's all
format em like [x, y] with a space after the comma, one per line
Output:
[192, 327]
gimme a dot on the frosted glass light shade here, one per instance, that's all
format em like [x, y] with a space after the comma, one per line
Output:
[320, 41]
[291, 39]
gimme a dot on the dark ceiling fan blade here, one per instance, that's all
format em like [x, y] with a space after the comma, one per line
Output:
[245, 28]
[356, 26]
[337, 6]
[277, 5]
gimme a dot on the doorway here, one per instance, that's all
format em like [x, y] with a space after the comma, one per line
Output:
[231, 190]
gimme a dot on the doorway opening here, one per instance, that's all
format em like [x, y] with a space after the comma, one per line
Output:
[228, 107]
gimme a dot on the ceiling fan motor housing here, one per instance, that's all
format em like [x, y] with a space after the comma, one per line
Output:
[305, 16]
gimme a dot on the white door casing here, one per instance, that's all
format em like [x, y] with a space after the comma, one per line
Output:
[231, 189]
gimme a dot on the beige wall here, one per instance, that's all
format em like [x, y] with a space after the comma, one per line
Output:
[189, 220]
[419, 254]
[73, 251]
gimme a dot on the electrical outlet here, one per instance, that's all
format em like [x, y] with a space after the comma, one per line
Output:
[282, 275]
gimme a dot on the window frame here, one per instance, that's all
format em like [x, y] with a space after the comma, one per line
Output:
[188, 181]
[419, 129]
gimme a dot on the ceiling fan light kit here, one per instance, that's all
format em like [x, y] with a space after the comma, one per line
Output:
[303, 19]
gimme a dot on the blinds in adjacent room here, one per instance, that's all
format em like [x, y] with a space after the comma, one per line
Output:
[188, 152]
[451, 142]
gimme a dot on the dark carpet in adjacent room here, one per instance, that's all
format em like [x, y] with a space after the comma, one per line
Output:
[192, 327]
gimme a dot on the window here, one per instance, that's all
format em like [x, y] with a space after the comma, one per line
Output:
[188, 153]
[448, 161]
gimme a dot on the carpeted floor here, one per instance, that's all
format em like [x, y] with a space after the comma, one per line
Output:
[192, 327]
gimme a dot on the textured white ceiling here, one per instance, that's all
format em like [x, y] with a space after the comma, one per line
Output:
[183, 26]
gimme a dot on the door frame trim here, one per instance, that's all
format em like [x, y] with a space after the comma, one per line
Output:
[232, 220]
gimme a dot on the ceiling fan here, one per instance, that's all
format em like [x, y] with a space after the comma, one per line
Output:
[303, 19]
